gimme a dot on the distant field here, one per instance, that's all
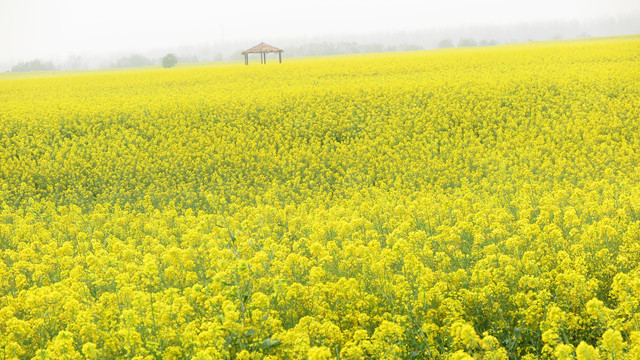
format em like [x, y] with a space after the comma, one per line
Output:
[449, 204]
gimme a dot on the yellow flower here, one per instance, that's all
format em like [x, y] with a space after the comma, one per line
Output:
[612, 344]
[319, 353]
[585, 351]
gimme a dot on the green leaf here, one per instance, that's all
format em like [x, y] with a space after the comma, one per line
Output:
[270, 343]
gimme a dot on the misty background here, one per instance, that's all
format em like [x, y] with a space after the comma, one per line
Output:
[77, 34]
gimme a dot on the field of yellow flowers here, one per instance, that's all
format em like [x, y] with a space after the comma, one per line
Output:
[452, 204]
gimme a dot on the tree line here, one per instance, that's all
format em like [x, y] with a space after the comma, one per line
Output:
[311, 49]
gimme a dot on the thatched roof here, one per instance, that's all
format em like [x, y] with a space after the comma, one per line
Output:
[262, 48]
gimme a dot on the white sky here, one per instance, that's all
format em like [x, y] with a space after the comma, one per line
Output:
[50, 28]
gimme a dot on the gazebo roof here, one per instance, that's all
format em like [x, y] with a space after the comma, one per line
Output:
[262, 48]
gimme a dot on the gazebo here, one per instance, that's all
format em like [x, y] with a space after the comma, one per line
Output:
[262, 49]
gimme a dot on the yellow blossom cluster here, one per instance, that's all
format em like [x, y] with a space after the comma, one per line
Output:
[451, 204]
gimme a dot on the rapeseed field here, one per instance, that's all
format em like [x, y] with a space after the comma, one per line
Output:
[452, 204]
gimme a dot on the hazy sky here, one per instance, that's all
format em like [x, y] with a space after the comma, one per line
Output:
[55, 28]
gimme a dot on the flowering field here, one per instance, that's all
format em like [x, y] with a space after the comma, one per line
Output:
[443, 204]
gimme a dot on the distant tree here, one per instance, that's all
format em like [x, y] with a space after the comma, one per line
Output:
[188, 59]
[132, 61]
[371, 48]
[34, 65]
[488, 43]
[409, 47]
[74, 62]
[467, 43]
[169, 61]
[446, 43]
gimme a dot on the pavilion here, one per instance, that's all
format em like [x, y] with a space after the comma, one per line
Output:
[262, 49]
